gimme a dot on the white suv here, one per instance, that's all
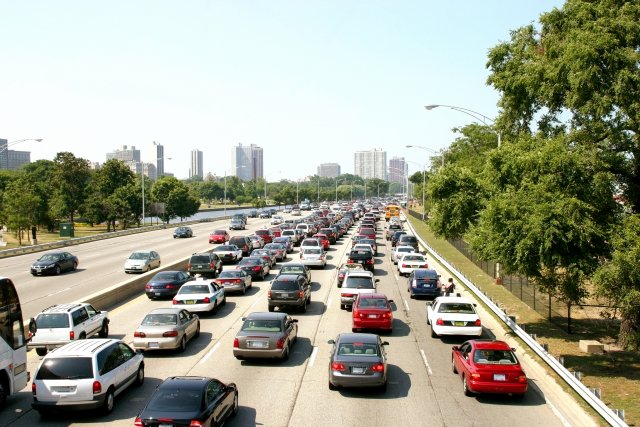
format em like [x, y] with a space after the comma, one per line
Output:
[62, 323]
[356, 282]
[86, 374]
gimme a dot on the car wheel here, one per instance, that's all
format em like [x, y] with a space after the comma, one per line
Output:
[214, 310]
[271, 308]
[411, 296]
[41, 351]
[285, 355]
[83, 336]
[234, 410]
[354, 330]
[140, 376]
[433, 333]
[465, 387]
[309, 299]
[332, 387]
[58, 270]
[244, 289]
[304, 308]
[74, 267]
[453, 366]
[183, 344]
[104, 331]
[224, 300]
[197, 334]
[109, 402]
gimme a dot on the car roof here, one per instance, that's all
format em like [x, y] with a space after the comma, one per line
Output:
[166, 310]
[265, 316]
[359, 273]
[373, 296]
[347, 337]
[490, 345]
[63, 308]
[185, 383]
[81, 347]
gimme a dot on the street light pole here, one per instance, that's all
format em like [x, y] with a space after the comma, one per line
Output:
[469, 112]
[12, 143]
[225, 193]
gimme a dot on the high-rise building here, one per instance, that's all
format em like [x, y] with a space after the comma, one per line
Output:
[398, 170]
[329, 170]
[154, 155]
[370, 164]
[12, 159]
[247, 162]
[153, 160]
[196, 169]
[126, 154]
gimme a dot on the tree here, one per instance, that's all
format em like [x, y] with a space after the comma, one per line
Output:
[578, 73]
[40, 175]
[176, 197]
[71, 178]
[619, 280]
[18, 199]
[107, 181]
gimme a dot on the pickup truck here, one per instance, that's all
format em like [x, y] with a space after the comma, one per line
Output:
[356, 282]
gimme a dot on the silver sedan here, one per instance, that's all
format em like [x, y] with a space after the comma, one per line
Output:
[166, 328]
[266, 335]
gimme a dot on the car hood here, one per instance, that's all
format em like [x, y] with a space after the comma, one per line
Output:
[43, 263]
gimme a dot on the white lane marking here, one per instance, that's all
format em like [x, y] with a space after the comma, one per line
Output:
[329, 303]
[396, 276]
[406, 304]
[254, 303]
[426, 363]
[312, 359]
[57, 292]
[555, 410]
[210, 353]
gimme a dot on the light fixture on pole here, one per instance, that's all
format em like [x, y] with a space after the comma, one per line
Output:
[469, 112]
[11, 144]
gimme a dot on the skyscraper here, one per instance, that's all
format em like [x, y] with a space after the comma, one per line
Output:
[398, 170]
[154, 156]
[247, 162]
[196, 169]
[370, 164]
[329, 170]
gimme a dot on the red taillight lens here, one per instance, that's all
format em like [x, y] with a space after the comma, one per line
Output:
[138, 423]
[196, 423]
[440, 322]
[475, 376]
[33, 388]
[212, 265]
[206, 300]
[170, 286]
[378, 367]
[405, 266]
[369, 261]
[174, 302]
[269, 294]
[256, 268]
[236, 280]
[300, 294]
[280, 344]
[425, 265]
[348, 295]
[72, 335]
[188, 266]
[97, 387]
[522, 379]
[236, 343]
[350, 260]
[335, 366]
[170, 334]
[477, 323]
[147, 286]
[138, 334]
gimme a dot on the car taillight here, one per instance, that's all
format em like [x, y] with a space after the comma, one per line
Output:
[97, 387]
[33, 388]
[440, 322]
[138, 334]
[370, 261]
[212, 265]
[256, 268]
[348, 295]
[475, 376]
[138, 422]
[405, 266]
[280, 344]
[521, 378]
[269, 294]
[236, 280]
[169, 286]
[425, 266]
[335, 366]
[350, 260]
[174, 302]
[188, 266]
[386, 314]
[477, 323]
[196, 423]
[236, 343]
[206, 300]
[378, 367]
[170, 334]
[341, 275]
[300, 294]
[147, 286]
[72, 335]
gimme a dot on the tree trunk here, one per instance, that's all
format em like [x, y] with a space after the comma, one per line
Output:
[629, 335]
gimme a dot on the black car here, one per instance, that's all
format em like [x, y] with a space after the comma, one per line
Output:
[253, 214]
[289, 290]
[362, 256]
[183, 232]
[396, 236]
[54, 263]
[184, 401]
[408, 240]
[166, 284]
[204, 263]
[256, 267]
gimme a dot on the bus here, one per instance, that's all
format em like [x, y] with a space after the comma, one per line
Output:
[13, 344]
[391, 211]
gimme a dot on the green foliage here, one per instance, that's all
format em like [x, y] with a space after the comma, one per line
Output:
[179, 202]
[71, 178]
[18, 199]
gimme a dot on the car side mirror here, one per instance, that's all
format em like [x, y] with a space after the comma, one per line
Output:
[377, 280]
[244, 318]
[294, 320]
[33, 328]
[391, 301]
[331, 342]
[385, 342]
[454, 348]
[513, 349]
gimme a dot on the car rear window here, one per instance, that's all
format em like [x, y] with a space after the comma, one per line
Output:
[200, 259]
[262, 325]
[65, 368]
[360, 254]
[358, 283]
[160, 319]
[457, 307]
[194, 289]
[230, 273]
[412, 258]
[502, 357]
[372, 303]
[282, 285]
[166, 276]
[358, 348]
[248, 261]
[52, 321]
[175, 400]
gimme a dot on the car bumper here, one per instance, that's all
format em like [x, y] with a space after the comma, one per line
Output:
[287, 303]
[313, 263]
[475, 331]
[96, 402]
[156, 343]
[347, 380]
[161, 293]
[196, 308]
[497, 387]
[233, 287]
[43, 271]
[385, 324]
[262, 354]
[425, 292]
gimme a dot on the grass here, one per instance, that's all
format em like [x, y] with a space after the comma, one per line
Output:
[616, 373]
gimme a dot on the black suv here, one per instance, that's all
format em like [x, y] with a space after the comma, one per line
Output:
[289, 290]
[362, 256]
[408, 240]
[204, 263]
[396, 236]
[243, 243]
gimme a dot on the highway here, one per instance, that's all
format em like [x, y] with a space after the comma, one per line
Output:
[422, 389]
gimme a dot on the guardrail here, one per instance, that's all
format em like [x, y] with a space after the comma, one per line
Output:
[598, 405]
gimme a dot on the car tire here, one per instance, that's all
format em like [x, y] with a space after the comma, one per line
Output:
[74, 267]
[453, 366]
[224, 300]
[285, 355]
[109, 402]
[140, 376]
[104, 331]
[214, 310]
[332, 387]
[41, 351]
[83, 336]
[354, 330]
[304, 307]
[58, 270]
[465, 387]
[309, 300]
[183, 344]
[433, 333]
[234, 410]
[271, 308]
[197, 334]
[244, 289]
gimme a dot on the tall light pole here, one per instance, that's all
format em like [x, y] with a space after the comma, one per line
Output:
[424, 174]
[337, 180]
[469, 112]
[12, 143]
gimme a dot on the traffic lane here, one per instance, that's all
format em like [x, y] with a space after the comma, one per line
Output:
[409, 397]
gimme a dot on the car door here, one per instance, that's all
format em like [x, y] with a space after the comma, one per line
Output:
[189, 323]
[431, 309]
[217, 401]
[156, 259]
[109, 360]
[461, 359]
[94, 322]
[128, 365]
[291, 328]
[218, 292]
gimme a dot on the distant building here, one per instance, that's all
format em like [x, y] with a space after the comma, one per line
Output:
[126, 154]
[12, 159]
[370, 164]
[196, 169]
[154, 155]
[154, 159]
[247, 162]
[398, 170]
[329, 170]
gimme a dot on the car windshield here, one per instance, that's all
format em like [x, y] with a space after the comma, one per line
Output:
[413, 258]
[65, 368]
[50, 257]
[372, 303]
[230, 273]
[160, 319]
[52, 321]
[175, 400]
[225, 248]
[258, 325]
[139, 255]
[194, 289]
[358, 349]
[456, 307]
[358, 283]
[502, 357]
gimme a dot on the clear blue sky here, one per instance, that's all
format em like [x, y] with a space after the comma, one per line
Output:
[309, 81]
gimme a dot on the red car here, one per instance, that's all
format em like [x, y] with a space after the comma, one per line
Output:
[372, 311]
[488, 367]
[266, 235]
[276, 231]
[219, 236]
[369, 232]
[324, 240]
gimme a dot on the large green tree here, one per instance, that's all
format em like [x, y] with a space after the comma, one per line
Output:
[18, 199]
[71, 178]
[179, 202]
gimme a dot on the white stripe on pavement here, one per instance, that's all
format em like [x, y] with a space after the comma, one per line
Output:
[406, 304]
[312, 359]
[426, 363]
[208, 355]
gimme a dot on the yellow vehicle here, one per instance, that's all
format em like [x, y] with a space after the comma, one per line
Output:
[390, 211]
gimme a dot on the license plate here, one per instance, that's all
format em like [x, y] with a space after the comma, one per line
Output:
[359, 261]
[373, 316]
[257, 344]
[165, 425]
[63, 389]
[499, 377]
[154, 345]
[458, 323]
[158, 294]
[357, 371]
[190, 301]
